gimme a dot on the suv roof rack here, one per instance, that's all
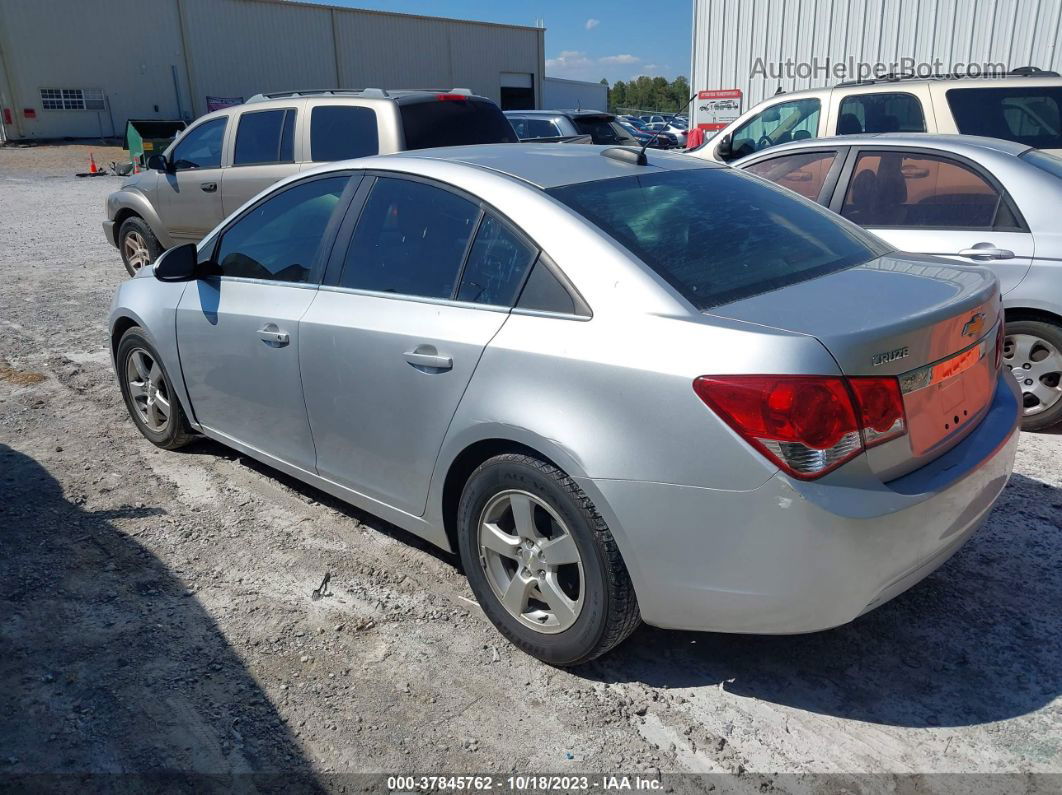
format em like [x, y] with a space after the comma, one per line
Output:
[379, 93]
[892, 77]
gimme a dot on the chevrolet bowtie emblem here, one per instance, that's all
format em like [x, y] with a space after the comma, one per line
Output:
[974, 326]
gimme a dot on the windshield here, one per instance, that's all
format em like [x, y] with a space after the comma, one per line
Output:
[1026, 114]
[718, 235]
[602, 130]
[454, 123]
[1044, 161]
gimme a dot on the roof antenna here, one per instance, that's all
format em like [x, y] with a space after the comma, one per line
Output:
[628, 155]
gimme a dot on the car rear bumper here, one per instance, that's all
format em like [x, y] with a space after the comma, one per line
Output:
[108, 232]
[791, 557]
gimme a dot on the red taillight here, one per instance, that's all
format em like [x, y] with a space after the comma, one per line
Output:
[807, 425]
[451, 97]
[1000, 337]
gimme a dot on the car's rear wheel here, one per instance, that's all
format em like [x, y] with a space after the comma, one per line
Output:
[1032, 350]
[137, 243]
[542, 562]
[148, 393]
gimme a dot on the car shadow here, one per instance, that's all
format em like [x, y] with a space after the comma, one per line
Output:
[110, 666]
[978, 641]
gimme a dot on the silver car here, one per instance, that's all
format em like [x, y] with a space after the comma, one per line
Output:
[620, 387]
[976, 201]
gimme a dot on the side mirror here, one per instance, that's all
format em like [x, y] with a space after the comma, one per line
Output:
[724, 149]
[180, 264]
[158, 163]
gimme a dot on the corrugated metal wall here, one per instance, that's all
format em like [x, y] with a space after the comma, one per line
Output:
[560, 93]
[728, 37]
[234, 48]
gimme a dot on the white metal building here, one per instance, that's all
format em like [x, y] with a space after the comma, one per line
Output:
[81, 68]
[758, 48]
[558, 92]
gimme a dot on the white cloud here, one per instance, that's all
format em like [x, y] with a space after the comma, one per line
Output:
[568, 63]
[592, 23]
[617, 59]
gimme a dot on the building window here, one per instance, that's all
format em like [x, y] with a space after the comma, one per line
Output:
[72, 99]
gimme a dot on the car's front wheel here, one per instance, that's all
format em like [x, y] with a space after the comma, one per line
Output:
[1032, 350]
[542, 562]
[148, 392]
[137, 243]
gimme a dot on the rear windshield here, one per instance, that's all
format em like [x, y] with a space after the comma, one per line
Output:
[454, 123]
[1045, 161]
[1028, 115]
[602, 130]
[718, 235]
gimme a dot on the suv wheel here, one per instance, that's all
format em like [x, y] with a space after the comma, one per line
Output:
[148, 393]
[542, 562]
[137, 244]
[1032, 349]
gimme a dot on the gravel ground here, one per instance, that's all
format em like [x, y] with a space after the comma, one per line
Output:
[156, 610]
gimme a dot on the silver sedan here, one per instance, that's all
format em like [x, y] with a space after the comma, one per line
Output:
[619, 388]
[976, 201]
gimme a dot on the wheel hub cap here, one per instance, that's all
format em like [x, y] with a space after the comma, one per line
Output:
[1037, 366]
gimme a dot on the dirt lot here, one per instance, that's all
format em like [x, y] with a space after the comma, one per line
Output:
[156, 610]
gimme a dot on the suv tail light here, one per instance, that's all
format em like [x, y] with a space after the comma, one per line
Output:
[807, 424]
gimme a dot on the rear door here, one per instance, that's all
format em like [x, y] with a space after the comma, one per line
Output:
[189, 196]
[238, 332]
[928, 202]
[392, 340]
[264, 152]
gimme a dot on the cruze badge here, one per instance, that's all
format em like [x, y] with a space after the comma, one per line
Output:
[889, 356]
[974, 326]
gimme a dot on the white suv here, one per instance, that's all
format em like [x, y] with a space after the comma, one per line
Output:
[1023, 106]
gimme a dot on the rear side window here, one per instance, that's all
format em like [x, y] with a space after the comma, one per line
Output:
[803, 173]
[880, 113]
[265, 136]
[342, 132]
[454, 122]
[496, 266]
[896, 189]
[410, 239]
[1028, 115]
[278, 240]
[717, 235]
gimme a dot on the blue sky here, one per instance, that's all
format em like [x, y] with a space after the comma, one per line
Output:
[617, 40]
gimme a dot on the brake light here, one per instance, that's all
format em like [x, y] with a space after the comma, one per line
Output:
[1000, 337]
[807, 425]
[451, 97]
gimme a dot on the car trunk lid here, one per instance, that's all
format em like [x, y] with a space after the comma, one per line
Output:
[927, 322]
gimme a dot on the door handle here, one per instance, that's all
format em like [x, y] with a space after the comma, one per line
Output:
[208, 187]
[986, 252]
[427, 356]
[273, 335]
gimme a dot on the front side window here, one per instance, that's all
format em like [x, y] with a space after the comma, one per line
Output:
[342, 132]
[278, 240]
[410, 239]
[804, 173]
[496, 265]
[265, 136]
[911, 190]
[718, 235]
[201, 146]
[1028, 115]
[778, 124]
[880, 113]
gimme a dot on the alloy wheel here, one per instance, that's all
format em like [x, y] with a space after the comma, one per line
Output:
[1037, 364]
[531, 561]
[147, 389]
[136, 251]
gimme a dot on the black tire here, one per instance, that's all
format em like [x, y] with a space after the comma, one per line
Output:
[609, 612]
[1051, 334]
[175, 431]
[134, 225]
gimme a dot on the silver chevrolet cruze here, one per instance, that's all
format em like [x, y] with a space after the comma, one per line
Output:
[621, 388]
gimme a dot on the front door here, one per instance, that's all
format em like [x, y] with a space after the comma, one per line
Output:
[393, 339]
[189, 195]
[238, 332]
[933, 204]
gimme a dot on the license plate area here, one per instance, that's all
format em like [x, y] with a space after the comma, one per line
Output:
[947, 397]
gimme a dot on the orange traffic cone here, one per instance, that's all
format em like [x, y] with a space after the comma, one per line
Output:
[92, 164]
